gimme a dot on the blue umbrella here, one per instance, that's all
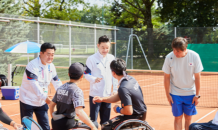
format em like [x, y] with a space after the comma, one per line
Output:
[25, 47]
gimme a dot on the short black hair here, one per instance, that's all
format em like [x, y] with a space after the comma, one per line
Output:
[118, 66]
[103, 39]
[47, 45]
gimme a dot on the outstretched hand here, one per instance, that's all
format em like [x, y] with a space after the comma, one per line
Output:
[97, 99]
[97, 80]
[17, 126]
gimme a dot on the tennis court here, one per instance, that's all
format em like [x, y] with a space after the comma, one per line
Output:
[159, 113]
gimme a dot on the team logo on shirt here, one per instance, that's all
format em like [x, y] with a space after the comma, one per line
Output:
[136, 86]
[191, 64]
[62, 92]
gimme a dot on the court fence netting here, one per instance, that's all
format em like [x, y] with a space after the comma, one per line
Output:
[151, 82]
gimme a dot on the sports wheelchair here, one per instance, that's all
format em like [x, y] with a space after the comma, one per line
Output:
[130, 124]
[117, 123]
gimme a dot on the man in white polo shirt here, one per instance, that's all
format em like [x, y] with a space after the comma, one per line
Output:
[182, 69]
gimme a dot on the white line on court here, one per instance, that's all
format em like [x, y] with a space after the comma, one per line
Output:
[205, 115]
[14, 115]
[10, 104]
[152, 84]
[144, 79]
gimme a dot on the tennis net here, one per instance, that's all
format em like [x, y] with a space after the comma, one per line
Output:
[151, 82]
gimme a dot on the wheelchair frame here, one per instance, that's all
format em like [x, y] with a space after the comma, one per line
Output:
[142, 125]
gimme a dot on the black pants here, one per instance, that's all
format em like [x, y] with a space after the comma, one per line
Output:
[63, 124]
[203, 126]
[40, 112]
[111, 124]
[103, 108]
[66, 124]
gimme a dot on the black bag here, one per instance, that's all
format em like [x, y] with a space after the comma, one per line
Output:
[3, 80]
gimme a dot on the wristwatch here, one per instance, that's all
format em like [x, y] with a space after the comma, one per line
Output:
[198, 96]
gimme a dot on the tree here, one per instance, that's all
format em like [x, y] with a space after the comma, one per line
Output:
[141, 15]
[6, 7]
[53, 9]
[190, 13]
[10, 33]
[97, 15]
[64, 10]
[34, 8]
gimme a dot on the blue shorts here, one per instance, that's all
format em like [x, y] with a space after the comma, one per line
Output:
[183, 104]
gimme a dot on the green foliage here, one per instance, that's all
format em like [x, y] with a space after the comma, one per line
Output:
[33, 8]
[96, 15]
[10, 34]
[132, 14]
[9, 7]
[189, 13]
[64, 10]
[53, 9]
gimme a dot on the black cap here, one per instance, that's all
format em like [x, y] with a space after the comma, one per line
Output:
[76, 70]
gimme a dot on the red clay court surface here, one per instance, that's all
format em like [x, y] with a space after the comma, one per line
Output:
[158, 116]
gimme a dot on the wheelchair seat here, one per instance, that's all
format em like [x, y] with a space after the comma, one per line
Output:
[81, 125]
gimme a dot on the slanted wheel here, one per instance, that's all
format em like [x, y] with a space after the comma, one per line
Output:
[133, 124]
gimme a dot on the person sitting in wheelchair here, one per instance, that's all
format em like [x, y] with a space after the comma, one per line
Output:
[130, 94]
[70, 102]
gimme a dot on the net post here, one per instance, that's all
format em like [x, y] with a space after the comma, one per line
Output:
[9, 74]
[174, 32]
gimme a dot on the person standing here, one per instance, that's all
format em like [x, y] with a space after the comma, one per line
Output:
[34, 88]
[182, 69]
[100, 77]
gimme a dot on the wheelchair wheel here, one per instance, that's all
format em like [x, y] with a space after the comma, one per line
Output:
[133, 124]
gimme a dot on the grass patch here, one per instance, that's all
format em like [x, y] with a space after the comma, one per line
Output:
[76, 51]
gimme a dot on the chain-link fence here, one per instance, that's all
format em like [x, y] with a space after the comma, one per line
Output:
[76, 41]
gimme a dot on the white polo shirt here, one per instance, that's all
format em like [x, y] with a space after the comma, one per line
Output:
[182, 70]
[99, 67]
[36, 79]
